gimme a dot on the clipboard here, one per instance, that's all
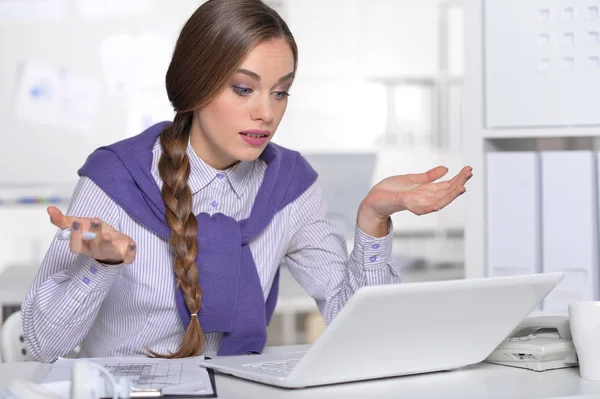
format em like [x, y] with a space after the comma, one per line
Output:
[157, 393]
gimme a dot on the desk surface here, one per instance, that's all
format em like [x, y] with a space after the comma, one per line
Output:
[479, 381]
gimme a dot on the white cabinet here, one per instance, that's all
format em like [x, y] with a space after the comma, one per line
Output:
[531, 87]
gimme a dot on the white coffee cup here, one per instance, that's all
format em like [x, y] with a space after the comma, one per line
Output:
[584, 318]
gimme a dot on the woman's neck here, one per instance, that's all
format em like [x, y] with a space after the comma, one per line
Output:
[213, 157]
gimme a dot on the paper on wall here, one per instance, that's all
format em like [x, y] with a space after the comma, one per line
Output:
[32, 10]
[53, 96]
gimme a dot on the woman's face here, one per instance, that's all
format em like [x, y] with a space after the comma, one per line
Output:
[241, 120]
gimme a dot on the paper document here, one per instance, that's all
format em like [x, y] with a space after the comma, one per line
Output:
[53, 96]
[173, 376]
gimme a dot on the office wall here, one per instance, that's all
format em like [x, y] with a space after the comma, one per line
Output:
[347, 53]
[106, 60]
[75, 78]
[338, 102]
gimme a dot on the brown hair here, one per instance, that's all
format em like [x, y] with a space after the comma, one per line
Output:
[210, 49]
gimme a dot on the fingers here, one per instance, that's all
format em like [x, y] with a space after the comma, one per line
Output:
[96, 245]
[107, 249]
[456, 189]
[113, 249]
[76, 243]
[446, 192]
[458, 186]
[464, 175]
[436, 173]
[107, 246]
[130, 253]
[430, 176]
[457, 181]
[58, 219]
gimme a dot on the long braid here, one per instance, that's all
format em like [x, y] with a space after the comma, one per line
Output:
[209, 51]
[174, 169]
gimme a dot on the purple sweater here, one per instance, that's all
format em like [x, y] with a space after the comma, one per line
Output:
[233, 302]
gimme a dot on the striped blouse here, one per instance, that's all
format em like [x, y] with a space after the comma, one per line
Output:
[122, 310]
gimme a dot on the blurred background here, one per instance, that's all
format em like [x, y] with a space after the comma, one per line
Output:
[381, 89]
[378, 92]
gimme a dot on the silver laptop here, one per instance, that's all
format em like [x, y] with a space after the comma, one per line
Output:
[345, 179]
[401, 329]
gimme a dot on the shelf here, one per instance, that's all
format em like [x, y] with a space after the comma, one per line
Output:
[550, 132]
[481, 137]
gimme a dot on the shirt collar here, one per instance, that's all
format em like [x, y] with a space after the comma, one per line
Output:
[201, 174]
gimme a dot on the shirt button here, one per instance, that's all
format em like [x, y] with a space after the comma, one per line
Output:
[220, 176]
[214, 204]
[375, 246]
[373, 258]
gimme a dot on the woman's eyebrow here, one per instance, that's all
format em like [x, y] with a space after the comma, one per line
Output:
[256, 76]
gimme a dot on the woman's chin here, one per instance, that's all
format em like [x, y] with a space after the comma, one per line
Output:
[250, 154]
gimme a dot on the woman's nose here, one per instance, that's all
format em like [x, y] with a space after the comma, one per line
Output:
[262, 109]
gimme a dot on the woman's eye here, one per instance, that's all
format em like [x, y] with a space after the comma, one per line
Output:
[281, 94]
[242, 91]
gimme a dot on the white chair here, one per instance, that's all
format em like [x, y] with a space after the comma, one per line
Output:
[12, 341]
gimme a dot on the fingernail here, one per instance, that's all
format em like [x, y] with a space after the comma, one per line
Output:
[95, 225]
[76, 225]
[132, 247]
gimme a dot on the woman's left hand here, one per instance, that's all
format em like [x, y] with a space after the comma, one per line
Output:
[417, 193]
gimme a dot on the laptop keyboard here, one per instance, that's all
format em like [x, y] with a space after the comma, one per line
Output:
[280, 366]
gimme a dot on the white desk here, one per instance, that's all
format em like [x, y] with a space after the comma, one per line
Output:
[482, 381]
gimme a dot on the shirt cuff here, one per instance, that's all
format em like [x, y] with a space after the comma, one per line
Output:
[89, 274]
[375, 252]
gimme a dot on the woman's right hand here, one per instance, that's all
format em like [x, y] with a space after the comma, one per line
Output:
[109, 246]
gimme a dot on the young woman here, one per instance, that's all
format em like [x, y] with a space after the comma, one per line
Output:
[193, 217]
